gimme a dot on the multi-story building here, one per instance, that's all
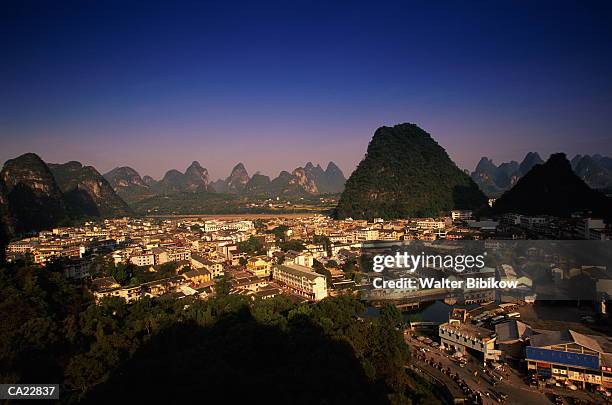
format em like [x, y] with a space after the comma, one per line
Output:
[461, 215]
[429, 224]
[365, 234]
[145, 259]
[569, 355]
[463, 336]
[301, 280]
[259, 266]
[216, 226]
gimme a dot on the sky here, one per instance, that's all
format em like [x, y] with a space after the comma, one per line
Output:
[156, 85]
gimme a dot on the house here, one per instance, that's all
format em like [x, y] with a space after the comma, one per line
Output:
[197, 276]
[200, 262]
[259, 266]
[305, 259]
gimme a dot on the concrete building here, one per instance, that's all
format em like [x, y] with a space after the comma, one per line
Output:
[145, 259]
[461, 335]
[430, 224]
[259, 266]
[301, 280]
[461, 215]
[569, 355]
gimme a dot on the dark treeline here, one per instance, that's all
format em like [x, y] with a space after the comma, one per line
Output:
[226, 348]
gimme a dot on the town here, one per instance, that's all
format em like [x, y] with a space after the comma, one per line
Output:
[310, 257]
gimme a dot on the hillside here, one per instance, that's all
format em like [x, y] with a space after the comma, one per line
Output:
[595, 170]
[553, 188]
[128, 184]
[86, 192]
[35, 201]
[405, 173]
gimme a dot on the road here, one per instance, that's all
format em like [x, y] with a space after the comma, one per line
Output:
[518, 391]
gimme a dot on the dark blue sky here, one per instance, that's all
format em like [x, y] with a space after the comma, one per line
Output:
[274, 85]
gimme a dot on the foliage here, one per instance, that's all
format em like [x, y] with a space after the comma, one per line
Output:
[296, 245]
[252, 246]
[280, 232]
[405, 173]
[554, 189]
[53, 332]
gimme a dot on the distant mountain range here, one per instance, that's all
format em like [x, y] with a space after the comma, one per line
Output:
[493, 180]
[405, 173]
[36, 195]
[309, 180]
[553, 188]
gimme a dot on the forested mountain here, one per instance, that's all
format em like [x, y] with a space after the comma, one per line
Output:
[36, 196]
[595, 170]
[128, 184]
[331, 180]
[307, 181]
[86, 192]
[35, 201]
[194, 179]
[553, 188]
[493, 180]
[405, 173]
[6, 222]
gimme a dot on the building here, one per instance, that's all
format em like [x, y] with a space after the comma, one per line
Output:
[569, 355]
[305, 259]
[461, 215]
[461, 335]
[591, 228]
[179, 255]
[512, 337]
[365, 234]
[76, 269]
[145, 259]
[108, 287]
[197, 276]
[430, 224]
[199, 262]
[301, 280]
[259, 266]
[216, 226]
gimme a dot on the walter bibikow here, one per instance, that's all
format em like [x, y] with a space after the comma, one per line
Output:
[444, 283]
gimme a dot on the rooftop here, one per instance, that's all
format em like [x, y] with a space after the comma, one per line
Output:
[300, 271]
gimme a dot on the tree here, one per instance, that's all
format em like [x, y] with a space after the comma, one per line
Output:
[222, 286]
[391, 315]
[252, 246]
[331, 264]
[260, 225]
[349, 266]
[323, 240]
[296, 245]
[280, 232]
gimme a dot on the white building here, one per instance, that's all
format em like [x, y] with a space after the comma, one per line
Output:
[215, 226]
[146, 259]
[430, 224]
[301, 280]
[461, 215]
[365, 234]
